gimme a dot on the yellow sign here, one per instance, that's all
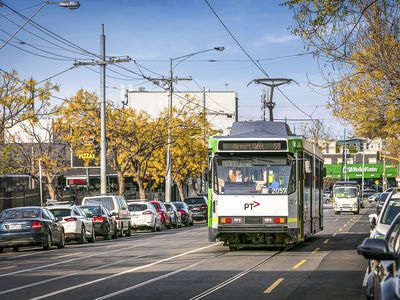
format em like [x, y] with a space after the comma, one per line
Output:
[376, 181]
[86, 155]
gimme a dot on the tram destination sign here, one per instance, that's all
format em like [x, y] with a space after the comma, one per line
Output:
[252, 145]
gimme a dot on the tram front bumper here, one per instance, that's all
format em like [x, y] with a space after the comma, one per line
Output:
[253, 229]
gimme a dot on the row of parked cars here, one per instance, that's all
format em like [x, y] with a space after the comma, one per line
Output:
[109, 216]
[382, 248]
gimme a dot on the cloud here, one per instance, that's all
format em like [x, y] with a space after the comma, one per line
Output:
[275, 39]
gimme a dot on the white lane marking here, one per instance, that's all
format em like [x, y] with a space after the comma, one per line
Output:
[326, 241]
[123, 272]
[365, 278]
[63, 262]
[70, 274]
[154, 279]
[334, 234]
[23, 255]
[66, 255]
[336, 219]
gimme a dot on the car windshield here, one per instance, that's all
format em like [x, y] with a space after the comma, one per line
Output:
[137, 207]
[168, 207]
[25, 213]
[105, 201]
[383, 196]
[61, 212]
[345, 192]
[391, 211]
[193, 201]
[254, 174]
[94, 210]
[179, 205]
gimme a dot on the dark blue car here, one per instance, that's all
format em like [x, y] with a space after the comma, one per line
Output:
[26, 226]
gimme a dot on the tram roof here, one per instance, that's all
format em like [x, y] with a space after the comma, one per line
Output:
[260, 129]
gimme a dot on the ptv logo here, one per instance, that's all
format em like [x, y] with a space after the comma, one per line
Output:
[251, 205]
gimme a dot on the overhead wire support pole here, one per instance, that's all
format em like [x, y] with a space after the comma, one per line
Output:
[103, 62]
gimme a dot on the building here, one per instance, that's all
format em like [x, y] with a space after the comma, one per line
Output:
[220, 107]
[362, 162]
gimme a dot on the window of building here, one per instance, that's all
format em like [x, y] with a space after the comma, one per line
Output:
[339, 160]
[328, 160]
[372, 160]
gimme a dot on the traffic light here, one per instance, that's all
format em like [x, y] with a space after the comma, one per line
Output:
[378, 155]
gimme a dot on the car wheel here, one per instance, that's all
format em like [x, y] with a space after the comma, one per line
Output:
[1, 250]
[176, 224]
[16, 248]
[154, 228]
[62, 241]
[129, 231]
[107, 233]
[337, 212]
[47, 242]
[187, 223]
[82, 238]
[92, 238]
[191, 223]
[115, 235]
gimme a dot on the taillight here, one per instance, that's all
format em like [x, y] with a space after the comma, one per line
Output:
[204, 206]
[117, 216]
[182, 212]
[37, 225]
[98, 219]
[146, 212]
[70, 219]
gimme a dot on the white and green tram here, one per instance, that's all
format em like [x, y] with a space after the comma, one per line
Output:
[265, 186]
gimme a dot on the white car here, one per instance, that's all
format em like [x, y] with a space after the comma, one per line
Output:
[77, 226]
[380, 224]
[144, 214]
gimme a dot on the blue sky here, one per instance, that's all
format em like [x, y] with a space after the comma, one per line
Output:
[152, 31]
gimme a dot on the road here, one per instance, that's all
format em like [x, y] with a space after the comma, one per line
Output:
[182, 264]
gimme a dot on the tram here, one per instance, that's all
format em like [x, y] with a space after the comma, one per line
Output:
[265, 186]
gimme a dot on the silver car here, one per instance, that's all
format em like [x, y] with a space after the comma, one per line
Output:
[144, 215]
[174, 216]
[380, 224]
[77, 226]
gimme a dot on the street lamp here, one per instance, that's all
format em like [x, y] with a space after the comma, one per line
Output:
[168, 178]
[65, 4]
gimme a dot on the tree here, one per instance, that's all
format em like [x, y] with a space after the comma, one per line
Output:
[361, 40]
[317, 132]
[21, 100]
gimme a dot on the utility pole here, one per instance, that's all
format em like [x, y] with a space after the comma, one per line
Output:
[103, 143]
[263, 106]
[272, 83]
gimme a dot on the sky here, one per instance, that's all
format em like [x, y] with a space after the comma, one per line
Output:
[153, 31]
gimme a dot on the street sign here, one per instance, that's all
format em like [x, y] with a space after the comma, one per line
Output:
[376, 181]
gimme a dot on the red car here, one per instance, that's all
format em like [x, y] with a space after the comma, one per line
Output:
[162, 210]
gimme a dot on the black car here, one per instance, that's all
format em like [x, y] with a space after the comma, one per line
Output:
[368, 192]
[199, 207]
[383, 280]
[26, 226]
[382, 199]
[186, 213]
[103, 221]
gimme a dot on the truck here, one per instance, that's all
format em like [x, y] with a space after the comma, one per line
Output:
[346, 197]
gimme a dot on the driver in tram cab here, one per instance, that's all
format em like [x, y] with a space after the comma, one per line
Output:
[237, 176]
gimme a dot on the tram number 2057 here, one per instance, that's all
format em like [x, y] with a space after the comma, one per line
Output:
[278, 191]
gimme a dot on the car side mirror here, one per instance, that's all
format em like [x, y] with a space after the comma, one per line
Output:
[114, 214]
[372, 220]
[123, 208]
[377, 249]
[59, 219]
[89, 215]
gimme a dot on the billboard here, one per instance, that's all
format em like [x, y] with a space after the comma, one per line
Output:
[83, 158]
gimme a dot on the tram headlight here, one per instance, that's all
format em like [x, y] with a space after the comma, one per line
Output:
[268, 220]
[237, 220]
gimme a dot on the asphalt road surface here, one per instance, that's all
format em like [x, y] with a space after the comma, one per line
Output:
[182, 264]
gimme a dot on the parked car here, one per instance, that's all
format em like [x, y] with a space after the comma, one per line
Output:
[382, 198]
[374, 197]
[383, 280]
[118, 208]
[368, 192]
[174, 216]
[144, 215]
[25, 226]
[186, 213]
[77, 226]
[161, 209]
[103, 222]
[380, 224]
[199, 207]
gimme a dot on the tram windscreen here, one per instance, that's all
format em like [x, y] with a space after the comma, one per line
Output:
[261, 174]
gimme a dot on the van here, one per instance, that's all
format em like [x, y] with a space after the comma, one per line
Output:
[118, 209]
